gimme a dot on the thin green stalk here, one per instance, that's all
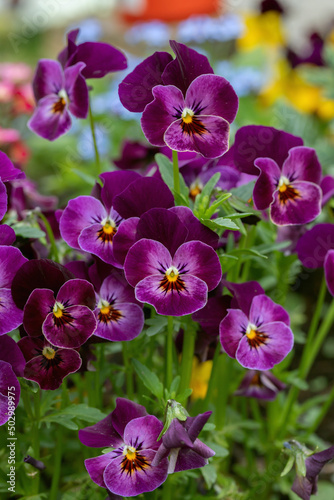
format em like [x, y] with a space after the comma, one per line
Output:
[167, 490]
[187, 356]
[323, 412]
[128, 370]
[176, 173]
[54, 250]
[169, 352]
[225, 367]
[92, 128]
[212, 382]
[58, 450]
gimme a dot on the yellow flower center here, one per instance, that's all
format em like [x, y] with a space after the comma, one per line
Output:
[172, 274]
[129, 452]
[48, 352]
[109, 227]
[58, 310]
[187, 115]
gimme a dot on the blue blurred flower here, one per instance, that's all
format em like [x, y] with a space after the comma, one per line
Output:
[153, 33]
[245, 80]
[90, 30]
[204, 28]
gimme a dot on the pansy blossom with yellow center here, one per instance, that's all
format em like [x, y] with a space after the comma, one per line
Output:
[260, 339]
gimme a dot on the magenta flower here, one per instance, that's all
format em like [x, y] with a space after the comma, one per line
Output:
[99, 58]
[47, 364]
[315, 249]
[175, 285]
[7, 173]
[127, 470]
[118, 315]
[11, 259]
[58, 94]
[259, 340]
[12, 365]
[198, 121]
[181, 444]
[65, 321]
[260, 385]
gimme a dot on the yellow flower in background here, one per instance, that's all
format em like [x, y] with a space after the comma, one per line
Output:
[200, 377]
[261, 30]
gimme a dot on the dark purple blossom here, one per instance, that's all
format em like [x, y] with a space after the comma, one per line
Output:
[260, 339]
[58, 94]
[7, 173]
[7, 235]
[135, 91]
[260, 385]
[127, 470]
[118, 315]
[66, 320]
[313, 55]
[175, 285]
[135, 155]
[99, 58]
[12, 365]
[181, 444]
[198, 121]
[306, 486]
[47, 364]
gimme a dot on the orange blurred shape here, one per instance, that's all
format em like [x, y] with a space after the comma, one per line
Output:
[171, 10]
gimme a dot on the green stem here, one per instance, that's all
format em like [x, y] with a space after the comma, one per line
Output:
[213, 377]
[176, 174]
[167, 490]
[225, 367]
[58, 450]
[169, 352]
[128, 371]
[323, 412]
[187, 356]
[54, 250]
[92, 128]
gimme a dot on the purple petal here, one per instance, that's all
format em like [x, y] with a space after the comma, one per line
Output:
[231, 330]
[135, 91]
[38, 306]
[256, 141]
[79, 324]
[117, 289]
[9, 391]
[7, 170]
[7, 234]
[176, 436]
[329, 270]
[139, 481]
[125, 238]
[316, 462]
[11, 259]
[124, 412]
[201, 261]
[48, 78]
[202, 449]
[77, 292]
[10, 316]
[11, 353]
[100, 59]
[47, 122]
[277, 346]
[302, 164]
[125, 322]
[77, 91]
[260, 385]
[215, 96]
[303, 208]
[80, 212]
[113, 184]
[264, 310]
[327, 188]
[243, 294]
[266, 183]
[38, 273]
[187, 66]
[96, 467]
[160, 113]
[194, 425]
[101, 434]
[90, 240]
[196, 230]
[212, 314]
[173, 303]
[313, 246]
[71, 48]
[188, 459]
[144, 430]
[211, 141]
[142, 195]
[3, 201]
[144, 259]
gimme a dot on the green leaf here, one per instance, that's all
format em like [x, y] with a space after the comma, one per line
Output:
[247, 251]
[209, 474]
[184, 395]
[80, 412]
[166, 171]
[219, 223]
[288, 466]
[26, 231]
[216, 204]
[175, 385]
[220, 451]
[202, 200]
[244, 192]
[156, 325]
[149, 379]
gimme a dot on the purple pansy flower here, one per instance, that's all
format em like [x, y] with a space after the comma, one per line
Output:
[47, 364]
[180, 442]
[260, 385]
[306, 486]
[11, 259]
[99, 58]
[89, 224]
[67, 320]
[118, 315]
[175, 285]
[7, 235]
[12, 365]
[315, 249]
[198, 121]
[7, 173]
[135, 91]
[58, 94]
[127, 470]
[259, 340]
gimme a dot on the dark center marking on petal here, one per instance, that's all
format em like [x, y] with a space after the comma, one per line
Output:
[133, 461]
[59, 106]
[255, 337]
[107, 231]
[50, 357]
[108, 313]
[172, 281]
[286, 191]
[60, 316]
[190, 124]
